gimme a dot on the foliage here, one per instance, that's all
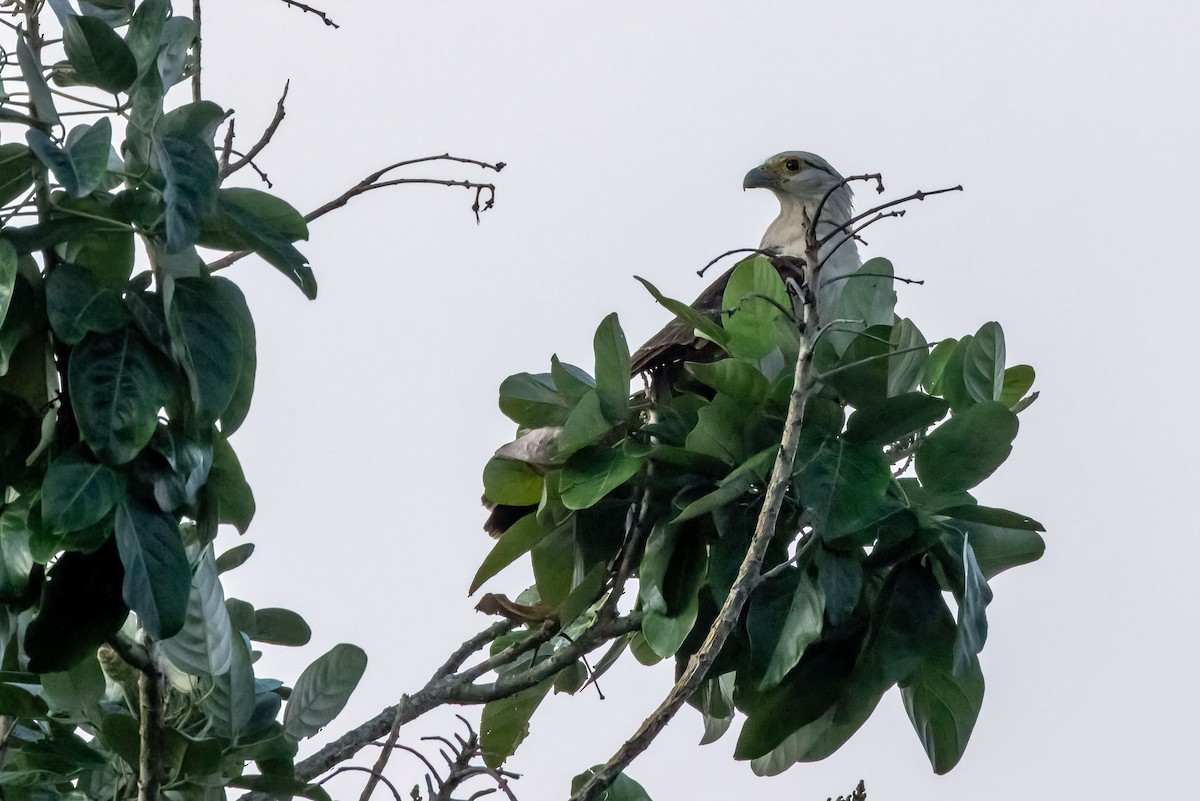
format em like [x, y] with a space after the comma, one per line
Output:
[852, 597]
[120, 393]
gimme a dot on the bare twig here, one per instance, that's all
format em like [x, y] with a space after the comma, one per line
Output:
[759, 251]
[375, 777]
[309, 10]
[227, 168]
[918, 195]
[372, 182]
[197, 96]
[226, 148]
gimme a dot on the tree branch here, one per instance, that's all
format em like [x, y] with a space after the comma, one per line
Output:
[228, 169]
[310, 10]
[748, 575]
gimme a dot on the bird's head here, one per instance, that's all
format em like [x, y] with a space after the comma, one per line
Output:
[797, 176]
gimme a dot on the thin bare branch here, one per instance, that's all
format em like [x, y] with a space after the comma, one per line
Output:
[759, 251]
[309, 10]
[227, 168]
[376, 777]
[197, 95]
[918, 195]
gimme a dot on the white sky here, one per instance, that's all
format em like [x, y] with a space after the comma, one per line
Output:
[628, 128]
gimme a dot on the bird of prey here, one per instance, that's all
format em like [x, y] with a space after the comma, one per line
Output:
[799, 180]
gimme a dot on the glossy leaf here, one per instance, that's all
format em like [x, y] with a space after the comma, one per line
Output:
[612, 368]
[145, 32]
[531, 401]
[732, 377]
[843, 485]
[943, 706]
[39, 91]
[510, 482]
[518, 540]
[1000, 518]
[77, 304]
[204, 646]
[586, 425]
[16, 171]
[206, 343]
[237, 312]
[868, 299]
[997, 549]
[190, 169]
[983, 363]
[593, 473]
[896, 418]
[323, 689]
[966, 449]
[935, 366]
[100, 57]
[785, 615]
[504, 724]
[280, 627]
[158, 578]
[230, 697]
[116, 393]
[755, 299]
[82, 164]
[705, 326]
[234, 557]
[622, 788]
[1018, 380]
[904, 370]
[77, 492]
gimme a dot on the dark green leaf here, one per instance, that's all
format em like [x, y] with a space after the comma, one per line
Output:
[116, 393]
[895, 418]
[983, 363]
[190, 168]
[732, 377]
[997, 549]
[233, 303]
[112, 12]
[909, 620]
[77, 492]
[39, 91]
[612, 368]
[570, 381]
[145, 32]
[586, 425]
[669, 620]
[80, 609]
[622, 788]
[16, 559]
[943, 706]
[967, 448]
[842, 485]
[230, 697]
[18, 703]
[204, 646]
[517, 541]
[721, 431]
[157, 576]
[583, 594]
[592, 473]
[227, 483]
[931, 378]
[16, 171]
[205, 342]
[785, 615]
[234, 557]
[266, 225]
[840, 577]
[753, 472]
[100, 57]
[77, 303]
[178, 35]
[280, 627]
[504, 723]
[1000, 518]
[323, 689]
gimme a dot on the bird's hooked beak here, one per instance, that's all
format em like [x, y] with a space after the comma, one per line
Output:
[758, 178]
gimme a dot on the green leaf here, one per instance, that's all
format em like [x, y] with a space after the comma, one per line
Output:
[323, 689]
[512, 483]
[623, 788]
[157, 576]
[230, 699]
[280, 627]
[586, 425]
[755, 299]
[909, 621]
[81, 166]
[840, 577]
[953, 386]
[77, 304]
[504, 724]
[738, 379]
[754, 471]
[904, 370]
[971, 627]
[16, 559]
[116, 393]
[189, 167]
[205, 342]
[935, 367]
[1000, 518]
[704, 326]
[234, 557]
[583, 594]
[178, 35]
[531, 401]
[592, 473]
[204, 646]
[997, 549]
[612, 369]
[80, 609]
[78, 690]
[227, 483]
[247, 219]
[967, 448]
[943, 706]
[983, 363]
[100, 57]
[145, 32]
[112, 12]
[843, 485]
[1018, 380]
[869, 299]
[895, 418]
[8, 276]
[16, 171]
[570, 381]
[233, 303]
[721, 430]
[77, 492]
[19, 703]
[668, 622]
[517, 541]
[39, 91]
[784, 617]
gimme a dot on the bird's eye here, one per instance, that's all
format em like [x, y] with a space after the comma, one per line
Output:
[792, 165]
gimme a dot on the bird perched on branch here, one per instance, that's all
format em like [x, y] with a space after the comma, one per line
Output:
[799, 180]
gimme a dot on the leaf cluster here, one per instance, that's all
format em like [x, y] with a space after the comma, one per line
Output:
[120, 393]
[852, 598]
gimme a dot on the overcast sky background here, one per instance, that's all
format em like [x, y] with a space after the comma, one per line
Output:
[627, 128]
